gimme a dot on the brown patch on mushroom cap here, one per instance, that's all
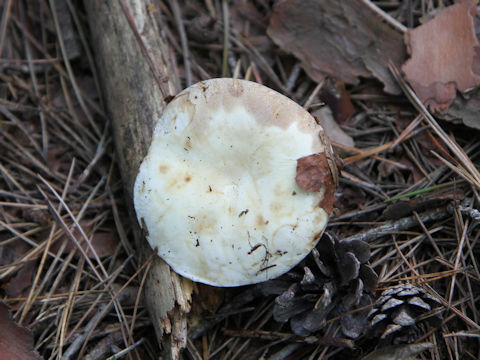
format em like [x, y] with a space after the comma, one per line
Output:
[314, 174]
[264, 104]
[163, 169]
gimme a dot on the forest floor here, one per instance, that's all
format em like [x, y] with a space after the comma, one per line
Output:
[395, 85]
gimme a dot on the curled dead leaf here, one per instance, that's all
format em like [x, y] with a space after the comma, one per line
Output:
[314, 174]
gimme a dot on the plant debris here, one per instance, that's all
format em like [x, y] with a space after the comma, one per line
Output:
[398, 210]
[444, 56]
[331, 38]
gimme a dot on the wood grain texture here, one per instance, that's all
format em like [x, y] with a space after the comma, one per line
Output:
[136, 74]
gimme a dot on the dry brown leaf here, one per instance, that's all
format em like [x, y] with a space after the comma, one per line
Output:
[443, 52]
[313, 174]
[16, 342]
[340, 38]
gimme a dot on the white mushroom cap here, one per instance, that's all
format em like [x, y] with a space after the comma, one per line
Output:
[216, 193]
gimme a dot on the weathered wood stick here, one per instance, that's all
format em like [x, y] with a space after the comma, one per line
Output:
[136, 74]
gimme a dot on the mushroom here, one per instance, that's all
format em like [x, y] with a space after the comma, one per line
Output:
[217, 195]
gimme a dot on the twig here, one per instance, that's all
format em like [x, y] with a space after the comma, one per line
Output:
[415, 122]
[399, 225]
[104, 347]
[459, 170]
[127, 350]
[292, 78]
[183, 39]
[473, 214]
[362, 154]
[314, 93]
[397, 25]
[226, 42]
[77, 343]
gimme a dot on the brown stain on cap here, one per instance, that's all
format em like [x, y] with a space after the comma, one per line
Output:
[268, 107]
[163, 169]
[260, 221]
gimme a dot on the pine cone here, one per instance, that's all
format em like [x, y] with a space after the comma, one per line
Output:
[336, 280]
[400, 313]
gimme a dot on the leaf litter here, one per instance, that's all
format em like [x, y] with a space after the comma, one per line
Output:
[444, 52]
[60, 186]
[332, 38]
